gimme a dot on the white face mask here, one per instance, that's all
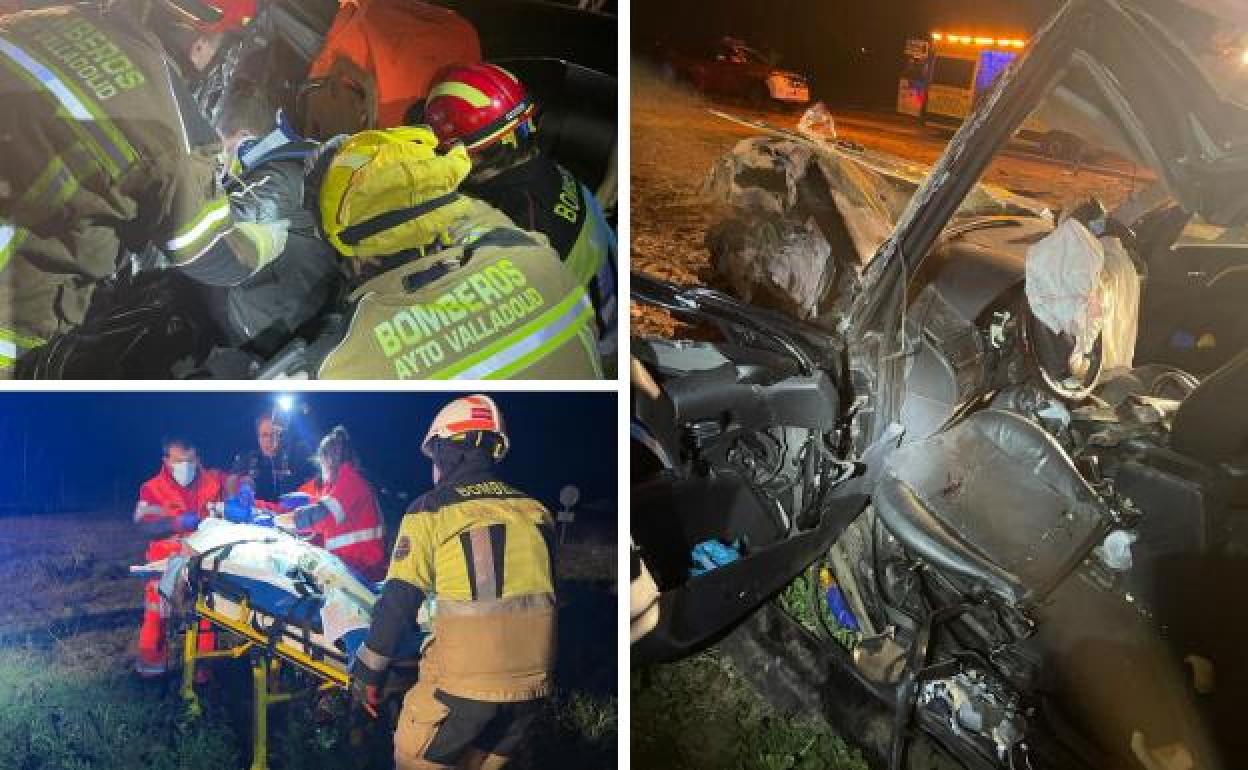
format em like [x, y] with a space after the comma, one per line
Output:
[184, 472]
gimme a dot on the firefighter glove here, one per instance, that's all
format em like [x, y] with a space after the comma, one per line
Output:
[366, 684]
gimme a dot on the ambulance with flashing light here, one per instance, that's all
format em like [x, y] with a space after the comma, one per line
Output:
[943, 77]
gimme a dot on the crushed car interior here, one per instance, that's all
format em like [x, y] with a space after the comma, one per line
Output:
[1027, 476]
[300, 57]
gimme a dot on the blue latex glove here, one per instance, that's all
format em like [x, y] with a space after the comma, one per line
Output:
[188, 522]
[262, 519]
[712, 554]
[240, 508]
[237, 511]
[292, 500]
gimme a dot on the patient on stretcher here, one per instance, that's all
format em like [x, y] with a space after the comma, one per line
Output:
[305, 596]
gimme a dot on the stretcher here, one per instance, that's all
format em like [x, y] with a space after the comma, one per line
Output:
[284, 603]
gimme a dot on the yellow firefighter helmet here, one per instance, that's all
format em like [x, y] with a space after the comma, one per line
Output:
[389, 191]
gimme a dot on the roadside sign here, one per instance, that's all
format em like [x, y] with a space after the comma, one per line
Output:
[568, 497]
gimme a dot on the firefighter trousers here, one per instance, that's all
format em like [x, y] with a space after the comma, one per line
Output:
[438, 731]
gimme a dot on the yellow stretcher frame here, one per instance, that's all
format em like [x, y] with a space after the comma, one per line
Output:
[266, 662]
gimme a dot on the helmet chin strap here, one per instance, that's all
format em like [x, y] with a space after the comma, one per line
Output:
[486, 168]
[497, 453]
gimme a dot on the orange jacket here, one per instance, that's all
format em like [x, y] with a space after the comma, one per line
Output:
[394, 47]
[162, 501]
[353, 531]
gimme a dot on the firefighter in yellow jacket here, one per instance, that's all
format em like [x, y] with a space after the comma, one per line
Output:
[103, 153]
[446, 287]
[483, 549]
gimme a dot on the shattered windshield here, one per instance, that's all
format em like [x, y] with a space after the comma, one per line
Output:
[1077, 147]
[1096, 136]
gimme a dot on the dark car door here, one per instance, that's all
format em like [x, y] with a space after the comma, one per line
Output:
[685, 497]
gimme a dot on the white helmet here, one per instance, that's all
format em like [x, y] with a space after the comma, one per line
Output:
[464, 415]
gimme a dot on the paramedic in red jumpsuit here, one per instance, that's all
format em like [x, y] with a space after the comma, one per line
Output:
[171, 505]
[343, 514]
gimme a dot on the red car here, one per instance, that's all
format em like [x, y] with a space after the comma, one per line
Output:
[729, 67]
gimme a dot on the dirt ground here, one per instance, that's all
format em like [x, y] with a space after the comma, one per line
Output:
[69, 620]
[675, 140]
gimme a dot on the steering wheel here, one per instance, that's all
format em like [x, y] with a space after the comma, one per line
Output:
[1052, 353]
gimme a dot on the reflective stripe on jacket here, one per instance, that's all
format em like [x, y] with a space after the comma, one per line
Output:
[484, 550]
[541, 196]
[101, 152]
[501, 307]
[353, 531]
[370, 535]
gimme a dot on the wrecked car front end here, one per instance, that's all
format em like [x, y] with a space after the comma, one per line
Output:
[1013, 534]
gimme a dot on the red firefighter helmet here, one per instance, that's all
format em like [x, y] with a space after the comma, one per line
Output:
[235, 14]
[479, 105]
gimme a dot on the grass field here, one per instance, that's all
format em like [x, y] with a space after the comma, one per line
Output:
[700, 714]
[69, 618]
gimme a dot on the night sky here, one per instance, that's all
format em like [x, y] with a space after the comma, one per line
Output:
[851, 50]
[93, 450]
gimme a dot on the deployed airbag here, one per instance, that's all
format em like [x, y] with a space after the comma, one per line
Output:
[1064, 283]
[1086, 288]
[1120, 284]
